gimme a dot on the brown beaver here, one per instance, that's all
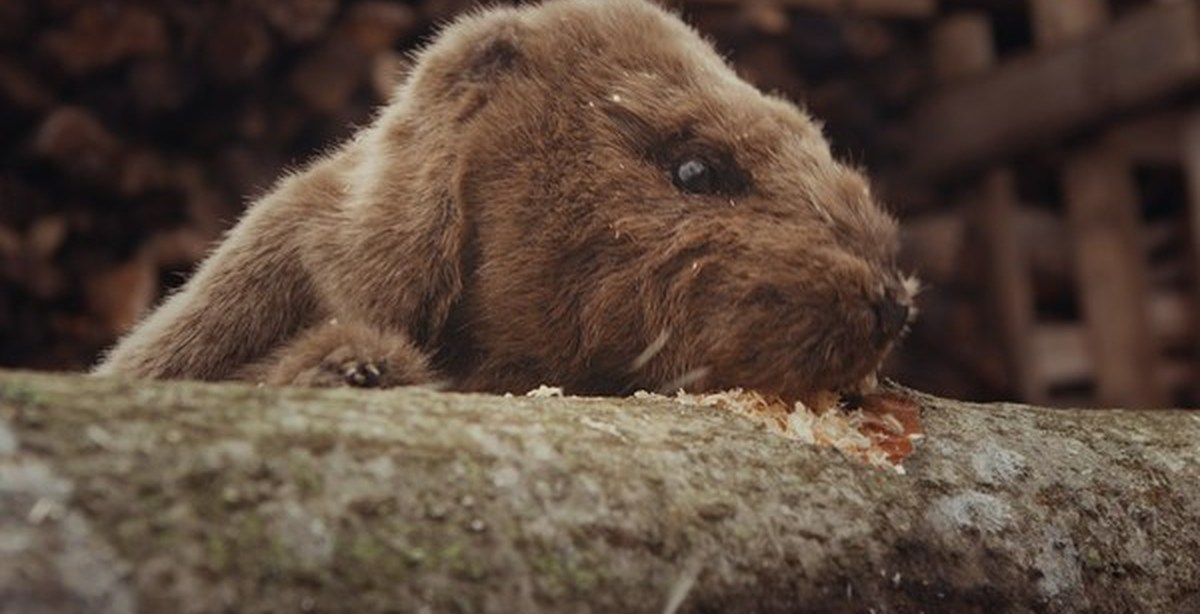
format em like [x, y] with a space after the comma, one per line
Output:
[580, 193]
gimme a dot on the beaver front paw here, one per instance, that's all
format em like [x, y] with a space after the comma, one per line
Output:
[359, 366]
[336, 354]
[362, 374]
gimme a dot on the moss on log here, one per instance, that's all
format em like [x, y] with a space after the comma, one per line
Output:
[118, 496]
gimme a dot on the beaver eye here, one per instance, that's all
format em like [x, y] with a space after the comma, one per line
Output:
[695, 175]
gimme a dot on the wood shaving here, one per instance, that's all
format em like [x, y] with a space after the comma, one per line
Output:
[545, 392]
[880, 433]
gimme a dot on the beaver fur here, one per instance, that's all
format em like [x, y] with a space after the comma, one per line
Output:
[580, 193]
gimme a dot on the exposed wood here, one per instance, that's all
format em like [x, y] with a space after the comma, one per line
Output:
[1110, 269]
[166, 497]
[1058, 21]
[1039, 98]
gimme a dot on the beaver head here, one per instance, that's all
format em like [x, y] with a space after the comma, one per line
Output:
[588, 196]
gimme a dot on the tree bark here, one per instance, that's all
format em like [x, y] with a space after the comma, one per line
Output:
[118, 496]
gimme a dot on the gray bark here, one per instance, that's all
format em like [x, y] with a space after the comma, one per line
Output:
[118, 496]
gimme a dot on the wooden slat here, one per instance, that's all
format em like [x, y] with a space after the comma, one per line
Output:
[1110, 270]
[1040, 97]
[1058, 21]
[1009, 281]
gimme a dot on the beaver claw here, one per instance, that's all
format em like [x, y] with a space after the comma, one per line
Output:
[362, 374]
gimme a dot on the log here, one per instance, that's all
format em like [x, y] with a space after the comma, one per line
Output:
[1041, 97]
[122, 495]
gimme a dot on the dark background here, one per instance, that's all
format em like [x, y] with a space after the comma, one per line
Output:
[1044, 156]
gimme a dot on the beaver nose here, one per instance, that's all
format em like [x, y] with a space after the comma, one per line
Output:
[890, 318]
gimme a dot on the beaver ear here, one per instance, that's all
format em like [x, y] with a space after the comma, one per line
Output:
[498, 52]
[399, 255]
[473, 54]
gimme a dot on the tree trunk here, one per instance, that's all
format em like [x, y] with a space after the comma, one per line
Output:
[183, 497]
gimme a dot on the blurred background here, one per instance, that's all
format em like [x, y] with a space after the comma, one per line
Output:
[1044, 156]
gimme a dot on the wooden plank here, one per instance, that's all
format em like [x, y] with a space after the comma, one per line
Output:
[1058, 21]
[1110, 271]
[1009, 282]
[1040, 97]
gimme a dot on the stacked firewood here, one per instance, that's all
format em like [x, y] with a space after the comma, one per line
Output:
[133, 133]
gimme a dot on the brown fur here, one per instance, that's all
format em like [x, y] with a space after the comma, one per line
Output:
[512, 214]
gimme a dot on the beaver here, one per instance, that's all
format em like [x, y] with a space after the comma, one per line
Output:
[580, 193]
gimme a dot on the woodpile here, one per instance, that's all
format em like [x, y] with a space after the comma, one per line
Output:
[132, 134]
[1043, 154]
